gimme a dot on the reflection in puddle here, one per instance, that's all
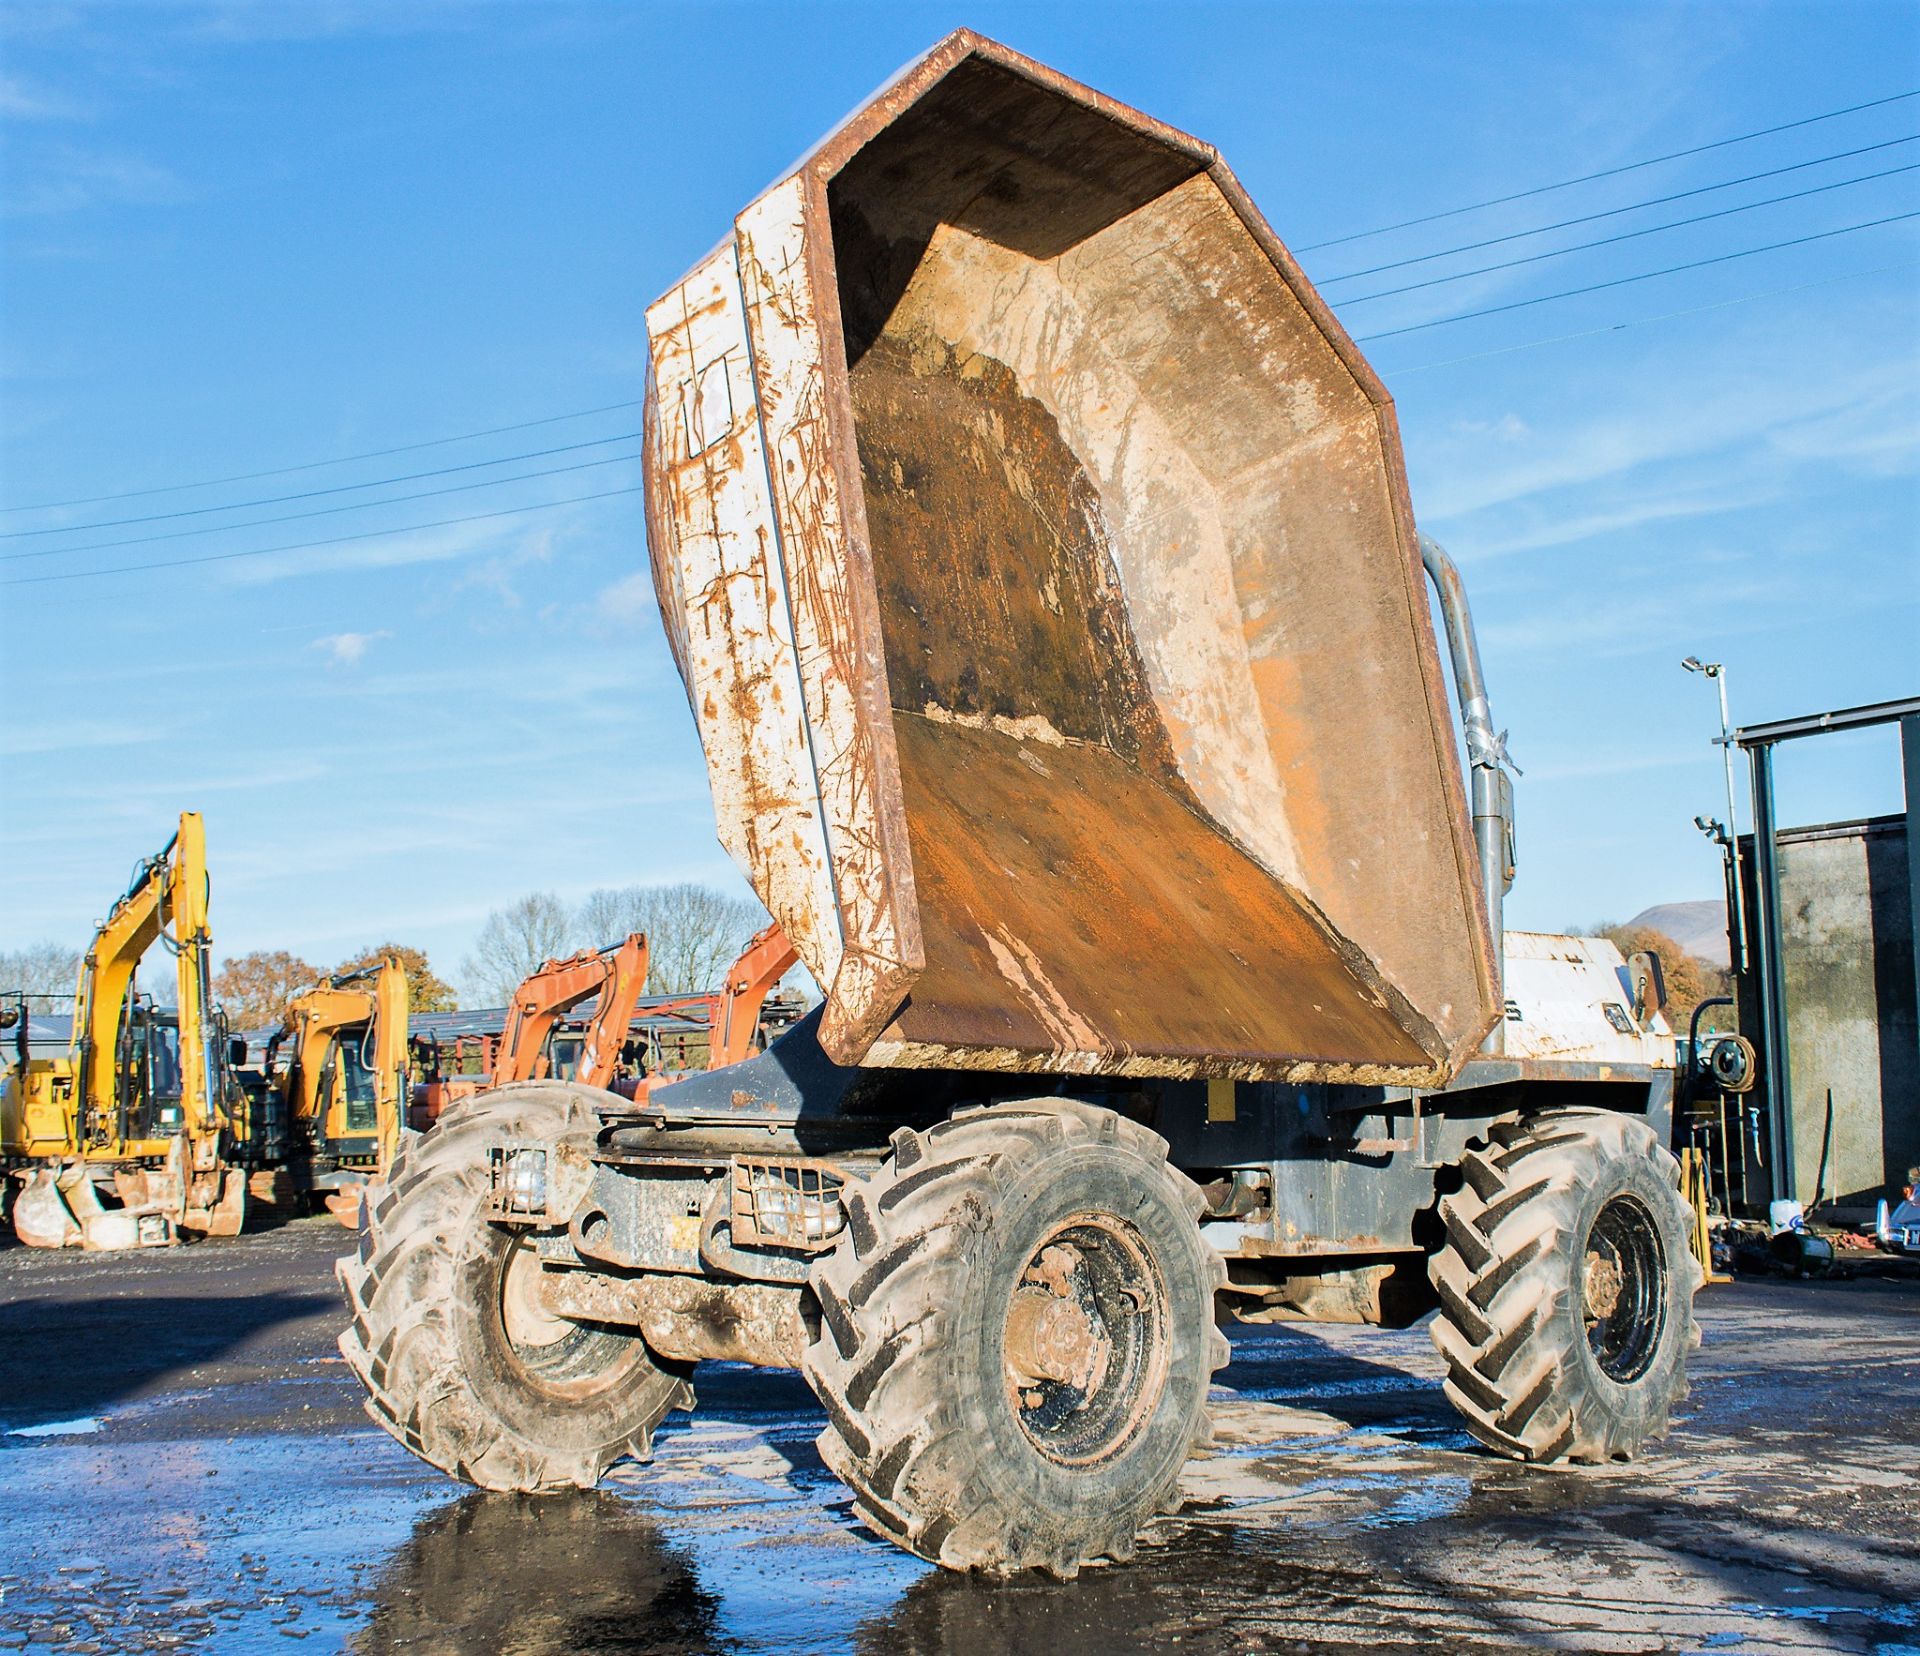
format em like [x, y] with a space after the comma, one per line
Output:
[60, 1428]
[561, 1575]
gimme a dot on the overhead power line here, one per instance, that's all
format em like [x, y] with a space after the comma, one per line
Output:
[315, 494]
[323, 511]
[1625, 235]
[1609, 172]
[1311, 247]
[1647, 321]
[319, 465]
[1613, 212]
[335, 540]
[1644, 276]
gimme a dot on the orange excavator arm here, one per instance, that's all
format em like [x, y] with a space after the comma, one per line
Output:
[617, 974]
[750, 979]
[732, 1012]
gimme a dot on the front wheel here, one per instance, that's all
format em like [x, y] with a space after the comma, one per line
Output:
[1566, 1288]
[462, 1361]
[1017, 1338]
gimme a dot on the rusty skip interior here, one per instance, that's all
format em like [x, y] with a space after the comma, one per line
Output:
[1149, 703]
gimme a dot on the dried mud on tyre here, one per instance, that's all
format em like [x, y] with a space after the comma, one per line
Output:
[447, 1336]
[1017, 1338]
[1566, 1288]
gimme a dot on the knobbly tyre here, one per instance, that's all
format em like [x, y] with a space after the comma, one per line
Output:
[1036, 551]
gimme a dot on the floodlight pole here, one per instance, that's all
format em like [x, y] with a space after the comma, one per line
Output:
[1718, 673]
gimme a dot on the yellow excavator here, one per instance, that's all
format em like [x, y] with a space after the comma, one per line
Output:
[339, 1066]
[134, 1134]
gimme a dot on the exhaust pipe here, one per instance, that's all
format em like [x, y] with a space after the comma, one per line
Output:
[1487, 757]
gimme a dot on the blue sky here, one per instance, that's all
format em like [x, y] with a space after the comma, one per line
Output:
[242, 238]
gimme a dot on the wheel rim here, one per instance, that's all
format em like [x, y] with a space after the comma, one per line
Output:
[1085, 1340]
[1623, 1289]
[543, 1345]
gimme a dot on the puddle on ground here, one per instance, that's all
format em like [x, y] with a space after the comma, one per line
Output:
[1342, 1509]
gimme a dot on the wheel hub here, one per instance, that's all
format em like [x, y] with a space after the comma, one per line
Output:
[1085, 1340]
[1055, 1330]
[529, 1324]
[1623, 1289]
[1603, 1285]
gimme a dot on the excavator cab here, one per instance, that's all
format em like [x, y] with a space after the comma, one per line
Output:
[339, 1069]
[564, 1047]
[149, 1080]
[349, 1092]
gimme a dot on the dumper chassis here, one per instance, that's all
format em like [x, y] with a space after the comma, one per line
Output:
[1007, 1308]
[1035, 549]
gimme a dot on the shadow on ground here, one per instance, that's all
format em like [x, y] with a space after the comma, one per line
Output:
[76, 1357]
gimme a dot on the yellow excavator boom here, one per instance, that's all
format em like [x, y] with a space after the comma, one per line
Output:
[95, 1093]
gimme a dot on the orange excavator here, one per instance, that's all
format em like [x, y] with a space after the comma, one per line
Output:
[616, 975]
[733, 1013]
[532, 1046]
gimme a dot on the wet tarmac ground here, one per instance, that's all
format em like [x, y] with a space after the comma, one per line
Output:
[184, 1466]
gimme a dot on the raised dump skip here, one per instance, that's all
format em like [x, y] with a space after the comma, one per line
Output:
[1036, 552]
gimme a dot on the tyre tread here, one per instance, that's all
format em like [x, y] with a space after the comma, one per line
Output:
[1508, 1373]
[890, 1435]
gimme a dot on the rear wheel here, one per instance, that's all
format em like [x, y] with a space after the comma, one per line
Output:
[1017, 1338]
[1566, 1288]
[461, 1359]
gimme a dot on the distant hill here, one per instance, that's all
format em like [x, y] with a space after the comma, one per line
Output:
[1699, 928]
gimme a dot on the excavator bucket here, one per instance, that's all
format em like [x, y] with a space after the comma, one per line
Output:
[1036, 551]
[41, 1217]
[348, 1204]
[59, 1208]
[227, 1215]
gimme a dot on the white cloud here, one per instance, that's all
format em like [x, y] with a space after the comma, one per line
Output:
[1749, 433]
[627, 601]
[63, 178]
[248, 23]
[348, 649]
[1541, 529]
[403, 546]
[495, 573]
[21, 100]
[17, 740]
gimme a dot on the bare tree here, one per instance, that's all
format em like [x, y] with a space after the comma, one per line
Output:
[45, 972]
[693, 931]
[513, 942]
